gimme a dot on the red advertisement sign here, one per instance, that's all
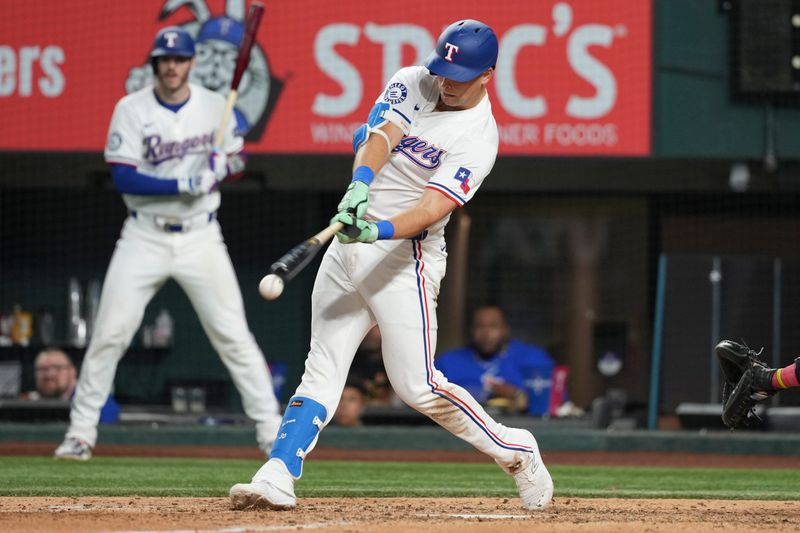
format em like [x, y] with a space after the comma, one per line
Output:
[573, 76]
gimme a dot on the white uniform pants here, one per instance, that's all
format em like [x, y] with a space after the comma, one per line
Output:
[144, 258]
[395, 284]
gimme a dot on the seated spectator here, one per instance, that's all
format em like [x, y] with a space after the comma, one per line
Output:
[56, 378]
[351, 404]
[498, 370]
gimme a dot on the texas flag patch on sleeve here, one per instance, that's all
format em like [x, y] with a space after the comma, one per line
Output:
[463, 175]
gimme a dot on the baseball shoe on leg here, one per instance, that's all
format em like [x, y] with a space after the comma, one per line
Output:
[533, 481]
[272, 488]
[73, 449]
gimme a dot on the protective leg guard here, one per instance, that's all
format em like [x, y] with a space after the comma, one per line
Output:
[302, 422]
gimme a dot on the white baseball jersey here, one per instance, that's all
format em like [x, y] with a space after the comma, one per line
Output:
[166, 144]
[451, 152]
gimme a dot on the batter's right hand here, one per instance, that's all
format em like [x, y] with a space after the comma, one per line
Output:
[355, 199]
[355, 229]
[203, 183]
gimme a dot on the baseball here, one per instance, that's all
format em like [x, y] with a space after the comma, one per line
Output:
[271, 286]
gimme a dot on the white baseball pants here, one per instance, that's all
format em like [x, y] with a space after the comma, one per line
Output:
[144, 258]
[395, 284]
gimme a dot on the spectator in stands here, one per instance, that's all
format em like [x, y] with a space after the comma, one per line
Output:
[368, 363]
[56, 378]
[497, 369]
[351, 406]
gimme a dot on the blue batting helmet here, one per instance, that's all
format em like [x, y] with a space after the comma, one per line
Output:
[465, 50]
[173, 41]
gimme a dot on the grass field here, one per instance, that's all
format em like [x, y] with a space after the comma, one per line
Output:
[110, 476]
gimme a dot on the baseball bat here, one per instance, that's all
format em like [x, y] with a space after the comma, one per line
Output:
[251, 23]
[295, 260]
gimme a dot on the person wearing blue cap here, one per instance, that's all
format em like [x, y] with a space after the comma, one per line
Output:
[428, 144]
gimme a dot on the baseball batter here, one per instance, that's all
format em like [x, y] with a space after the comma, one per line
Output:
[162, 160]
[427, 146]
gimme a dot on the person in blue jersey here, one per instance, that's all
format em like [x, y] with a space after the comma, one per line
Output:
[493, 366]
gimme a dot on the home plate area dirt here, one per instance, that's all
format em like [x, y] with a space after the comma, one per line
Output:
[448, 515]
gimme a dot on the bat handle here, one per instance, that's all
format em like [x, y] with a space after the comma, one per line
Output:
[219, 137]
[326, 234]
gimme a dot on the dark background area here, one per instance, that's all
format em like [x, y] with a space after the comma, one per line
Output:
[569, 246]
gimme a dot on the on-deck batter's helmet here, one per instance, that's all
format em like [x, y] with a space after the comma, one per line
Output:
[464, 51]
[173, 41]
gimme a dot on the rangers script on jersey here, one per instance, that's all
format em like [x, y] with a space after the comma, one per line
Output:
[166, 144]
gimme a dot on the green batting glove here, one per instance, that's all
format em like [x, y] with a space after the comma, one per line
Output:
[355, 229]
[355, 199]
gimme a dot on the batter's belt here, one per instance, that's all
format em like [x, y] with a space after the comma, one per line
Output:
[176, 225]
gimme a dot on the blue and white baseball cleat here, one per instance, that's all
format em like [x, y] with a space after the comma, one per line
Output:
[272, 488]
[534, 483]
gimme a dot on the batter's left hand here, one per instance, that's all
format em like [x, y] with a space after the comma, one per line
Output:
[355, 229]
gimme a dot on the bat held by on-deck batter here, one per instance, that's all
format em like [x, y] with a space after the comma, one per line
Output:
[251, 23]
[295, 260]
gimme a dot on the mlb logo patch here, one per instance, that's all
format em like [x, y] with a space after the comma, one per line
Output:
[463, 175]
[395, 93]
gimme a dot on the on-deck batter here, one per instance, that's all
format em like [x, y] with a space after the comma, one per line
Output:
[162, 160]
[428, 144]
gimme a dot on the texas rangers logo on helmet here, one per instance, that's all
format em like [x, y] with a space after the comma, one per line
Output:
[171, 37]
[451, 49]
[395, 93]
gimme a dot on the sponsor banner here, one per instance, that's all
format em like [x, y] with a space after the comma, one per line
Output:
[573, 76]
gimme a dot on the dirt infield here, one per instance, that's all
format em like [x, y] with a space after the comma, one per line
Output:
[362, 515]
[357, 515]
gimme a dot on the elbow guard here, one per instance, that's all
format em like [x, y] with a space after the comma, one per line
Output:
[374, 121]
[360, 137]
